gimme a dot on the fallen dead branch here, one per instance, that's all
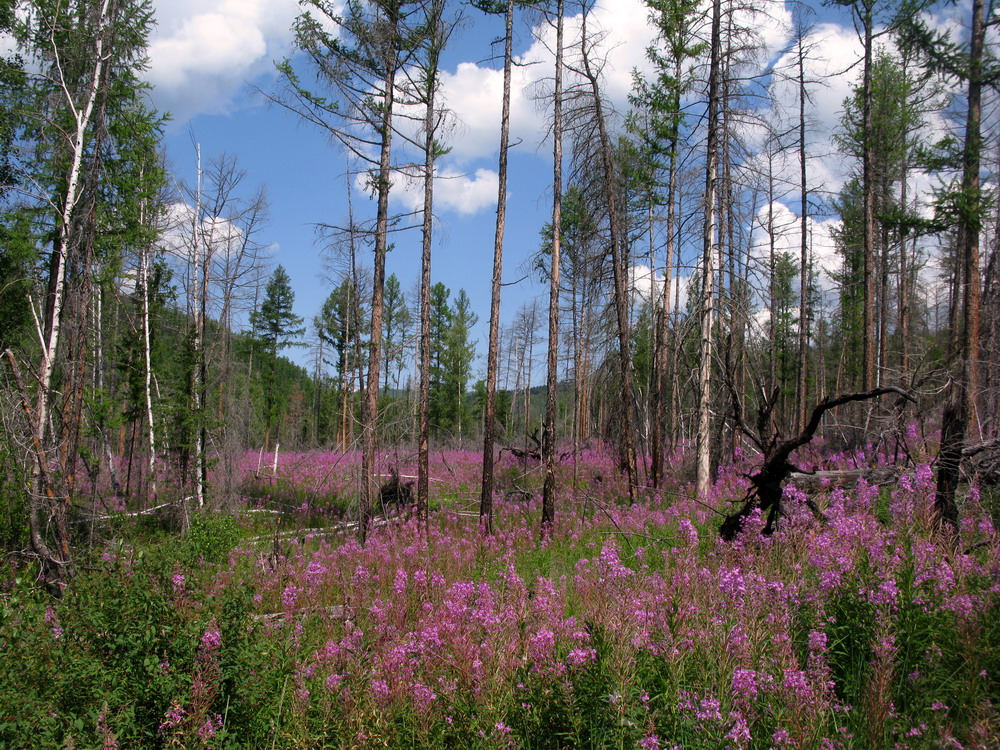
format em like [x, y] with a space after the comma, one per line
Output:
[820, 480]
[334, 612]
[766, 485]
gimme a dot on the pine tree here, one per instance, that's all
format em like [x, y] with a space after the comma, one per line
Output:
[456, 359]
[276, 327]
[395, 323]
[440, 322]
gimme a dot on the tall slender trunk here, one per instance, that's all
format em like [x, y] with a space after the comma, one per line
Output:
[352, 338]
[147, 361]
[904, 284]
[676, 427]
[961, 416]
[198, 372]
[369, 412]
[971, 192]
[772, 279]
[552, 376]
[489, 418]
[703, 479]
[803, 368]
[423, 445]
[619, 262]
[869, 374]
[663, 340]
[577, 375]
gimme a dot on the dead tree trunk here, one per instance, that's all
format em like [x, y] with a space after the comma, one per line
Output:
[766, 485]
[489, 417]
[552, 376]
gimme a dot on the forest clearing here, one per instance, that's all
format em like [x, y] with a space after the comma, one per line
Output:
[581, 374]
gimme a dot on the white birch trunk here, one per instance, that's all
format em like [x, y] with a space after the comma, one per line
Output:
[82, 118]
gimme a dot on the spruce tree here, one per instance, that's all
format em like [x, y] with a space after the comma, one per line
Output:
[275, 327]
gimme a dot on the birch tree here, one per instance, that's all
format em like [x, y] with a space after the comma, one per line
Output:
[86, 58]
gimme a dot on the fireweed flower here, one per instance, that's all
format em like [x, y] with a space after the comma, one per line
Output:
[211, 640]
[745, 683]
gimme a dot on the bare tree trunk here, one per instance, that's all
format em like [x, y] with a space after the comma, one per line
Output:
[552, 377]
[803, 368]
[369, 412]
[961, 417]
[199, 342]
[869, 377]
[58, 563]
[703, 480]
[972, 192]
[663, 338]
[904, 289]
[430, 129]
[148, 368]
[489, 418]
[618, 261]
[346, 402]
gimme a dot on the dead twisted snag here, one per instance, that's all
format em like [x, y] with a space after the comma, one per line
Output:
[765, 489]
[56, 565]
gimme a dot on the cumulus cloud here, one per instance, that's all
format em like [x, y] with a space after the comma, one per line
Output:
[461, 192]
[202, 52]
[786, 227]
[644, 281]
[473, 92]
[464, 193]
[224, 238]
[833, 67]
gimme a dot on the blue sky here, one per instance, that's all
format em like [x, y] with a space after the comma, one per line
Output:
[206, 55]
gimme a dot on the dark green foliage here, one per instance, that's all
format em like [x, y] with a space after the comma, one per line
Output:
[340, 324]
[439, 325]
[457, 357]
[18, 270]
[275, 326]
[504, 405]
[210, 539]
[13, 498]
[850, 245]
[396, 321]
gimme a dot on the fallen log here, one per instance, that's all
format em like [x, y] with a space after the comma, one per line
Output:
[334, 612]
[820, 480]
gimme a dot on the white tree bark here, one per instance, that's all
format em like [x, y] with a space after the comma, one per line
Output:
[703, 480]
[82, 117]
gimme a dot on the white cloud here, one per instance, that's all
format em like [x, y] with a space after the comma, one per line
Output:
[474, 92]
[220, 235]
[202, 52]
[461, 192]
[8, 45]
[644, 280]
[832, 69]
[787, 230]
[466, 194]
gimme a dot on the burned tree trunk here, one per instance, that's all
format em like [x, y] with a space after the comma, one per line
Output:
[766, 485]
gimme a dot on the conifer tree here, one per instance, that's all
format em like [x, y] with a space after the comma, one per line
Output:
[276, 327]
